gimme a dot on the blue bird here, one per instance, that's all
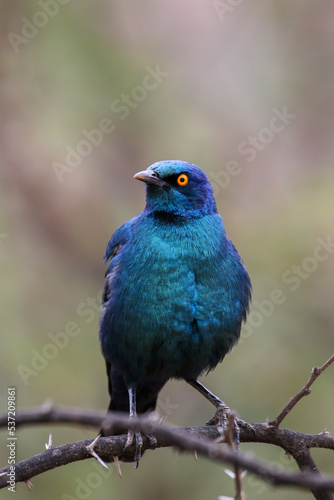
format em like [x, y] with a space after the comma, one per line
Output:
[176, 292]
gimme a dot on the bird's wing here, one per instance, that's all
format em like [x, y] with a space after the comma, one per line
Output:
[120, 236]
[118, 239]
[239, 278]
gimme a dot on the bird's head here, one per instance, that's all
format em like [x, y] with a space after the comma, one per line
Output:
[177, 188]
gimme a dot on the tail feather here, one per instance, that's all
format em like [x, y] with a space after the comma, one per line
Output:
[146, 393]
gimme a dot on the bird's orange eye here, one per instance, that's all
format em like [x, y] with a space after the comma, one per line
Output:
[182, 180]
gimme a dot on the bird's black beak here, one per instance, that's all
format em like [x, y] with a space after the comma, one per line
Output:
[150, 177]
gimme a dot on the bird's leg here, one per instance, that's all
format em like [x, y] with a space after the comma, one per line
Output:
[222, 409]
[222, 412]
[133, 433]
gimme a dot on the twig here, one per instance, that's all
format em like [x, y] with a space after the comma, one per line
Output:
[240, 494]
[307, 464]
[57, 414]
[304, 391]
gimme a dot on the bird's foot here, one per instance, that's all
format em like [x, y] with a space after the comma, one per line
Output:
[245, 425]
[229, 429]
[153, 441]
[221, 416]
[228, 424]
[134, 435]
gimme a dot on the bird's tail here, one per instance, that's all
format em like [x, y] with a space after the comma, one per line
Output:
[146, 393]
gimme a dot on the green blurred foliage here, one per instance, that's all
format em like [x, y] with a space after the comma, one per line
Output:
[228, 69]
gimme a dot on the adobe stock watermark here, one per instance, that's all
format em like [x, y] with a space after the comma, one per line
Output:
[30, 27]
[225, 7]
[120, 107]
[85, 488]
[253, 483]
[251, 147]
[292, 278]
[166, 408]
[40, 358]
[3, 236]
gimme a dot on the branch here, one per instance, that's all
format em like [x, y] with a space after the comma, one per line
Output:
[48, 413]
[199, 439]
[304, 391]
[249, 433]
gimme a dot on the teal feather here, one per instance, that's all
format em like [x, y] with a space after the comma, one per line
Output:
[176, 289]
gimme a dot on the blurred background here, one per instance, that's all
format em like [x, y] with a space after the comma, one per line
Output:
[90, 94]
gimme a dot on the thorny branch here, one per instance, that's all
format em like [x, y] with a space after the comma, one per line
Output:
[202, 440]
[199, 439]
[304, 391]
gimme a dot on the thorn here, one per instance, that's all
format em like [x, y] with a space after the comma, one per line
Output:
[47, 405]
[153, 416]
[29, 484]
[93, 443]
[195, 455]
[229, 473]
[48, 445]
[3, 474]
[95, 455]
[161, 420]
[90, 449]
[118, 466]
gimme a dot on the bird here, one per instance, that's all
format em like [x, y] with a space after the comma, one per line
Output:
[176, 292]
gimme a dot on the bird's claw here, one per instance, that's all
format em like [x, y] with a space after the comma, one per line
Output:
[245, 425]
[220, 417]
[132, 435]
[129, 439]
[153, 441]
[136, 436]
[229, 425]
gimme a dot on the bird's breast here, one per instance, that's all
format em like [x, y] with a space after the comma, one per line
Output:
[166, 309]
